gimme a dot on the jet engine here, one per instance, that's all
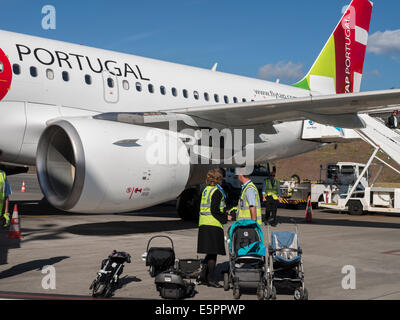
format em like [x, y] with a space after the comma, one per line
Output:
[96, 166]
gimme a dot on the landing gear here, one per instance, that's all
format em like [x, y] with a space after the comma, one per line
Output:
[188, 204]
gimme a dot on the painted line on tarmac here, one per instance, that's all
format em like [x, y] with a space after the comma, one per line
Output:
[393, 252]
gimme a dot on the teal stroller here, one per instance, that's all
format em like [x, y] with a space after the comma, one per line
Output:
[246, 259]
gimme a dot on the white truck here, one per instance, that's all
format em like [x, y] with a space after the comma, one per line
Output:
[339, 176]
[360, 197]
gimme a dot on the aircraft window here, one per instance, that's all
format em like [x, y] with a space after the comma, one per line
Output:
[235, 100]
[50, 74]
[33, 71]
[138, 86]
[206, 96]
[110, 82]
[65, 76]
[16, 69]
[162, 90]
[1, 67]
[151, 88]
[125, 84]
[243, 100]
[88, 79]
[216, 98]
[196, 95]
[185, 93]
[226, 99]
[174, 92]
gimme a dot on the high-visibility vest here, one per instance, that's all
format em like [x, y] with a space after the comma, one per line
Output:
[244, 207]
[206, 218]
[2, 190]
[271, 189]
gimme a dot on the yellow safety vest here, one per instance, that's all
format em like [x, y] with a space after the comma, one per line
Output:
[2, 190]
[272, 189]
[244, 208]
[206, 218]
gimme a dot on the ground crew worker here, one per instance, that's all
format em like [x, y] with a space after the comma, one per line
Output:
[5, 192]
[271, 192]
[211, 230]
[249, 206]
[392, 120]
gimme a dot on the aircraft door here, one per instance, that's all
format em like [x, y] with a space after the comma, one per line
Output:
[110, 84]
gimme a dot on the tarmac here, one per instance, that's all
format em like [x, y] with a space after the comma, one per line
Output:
[75, 244]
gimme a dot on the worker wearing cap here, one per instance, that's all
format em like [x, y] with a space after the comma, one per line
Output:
[249, 206]
[5, 192]
[271, 192]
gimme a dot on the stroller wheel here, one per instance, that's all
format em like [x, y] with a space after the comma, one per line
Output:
[226, 282]
[300, 294]
[236, 293]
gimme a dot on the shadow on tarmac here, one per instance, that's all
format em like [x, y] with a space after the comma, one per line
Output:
[30, 266]
[340, 222]
[118, 228]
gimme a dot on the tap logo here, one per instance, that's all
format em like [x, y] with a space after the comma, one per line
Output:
[5, 75]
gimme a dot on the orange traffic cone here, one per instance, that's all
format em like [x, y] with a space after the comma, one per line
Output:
[309, 210]
[23, 188]
[14, 232]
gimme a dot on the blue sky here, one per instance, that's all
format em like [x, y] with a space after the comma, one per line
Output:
[242, 36]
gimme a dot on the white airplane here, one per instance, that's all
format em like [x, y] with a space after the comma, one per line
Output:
[83, 115]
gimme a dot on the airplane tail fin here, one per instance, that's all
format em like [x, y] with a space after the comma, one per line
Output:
[339, 66]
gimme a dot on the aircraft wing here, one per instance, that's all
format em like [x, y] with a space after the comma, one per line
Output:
[335, 110]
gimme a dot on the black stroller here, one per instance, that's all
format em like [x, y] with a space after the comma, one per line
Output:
[108, 276]
[246, 259]
[285, 266]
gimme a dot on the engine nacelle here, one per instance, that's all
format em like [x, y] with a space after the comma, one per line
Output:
[87, 165]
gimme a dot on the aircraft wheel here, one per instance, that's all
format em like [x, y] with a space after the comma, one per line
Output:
[188, 205]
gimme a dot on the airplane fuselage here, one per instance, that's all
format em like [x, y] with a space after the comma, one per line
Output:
[52, 79]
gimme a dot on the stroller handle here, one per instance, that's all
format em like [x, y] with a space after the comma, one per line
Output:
[148, 243]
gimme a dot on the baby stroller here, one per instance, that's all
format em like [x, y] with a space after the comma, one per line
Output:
[108, 276]
[285, 265]
[246, 259]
